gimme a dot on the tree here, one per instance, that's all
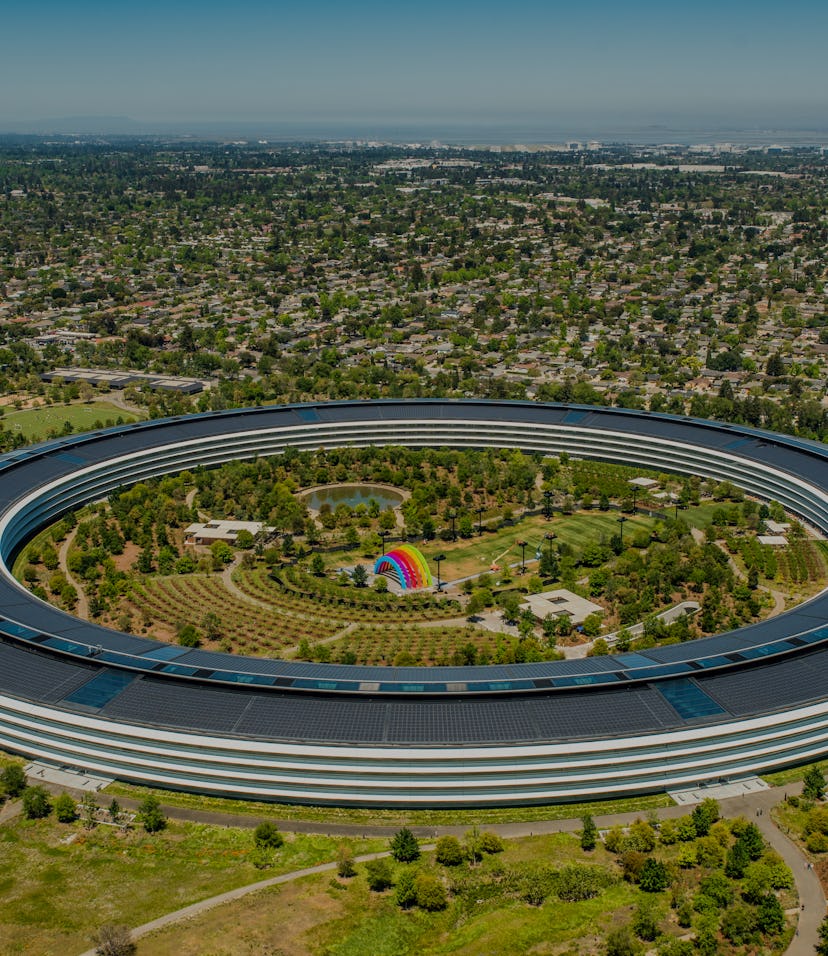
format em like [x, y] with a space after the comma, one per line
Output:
[267, 836]
[345, 867]
[378, 874]
[739, 924]
[510, 605]
[704, 816]
[718, 888]
[188, 636]
[431, 894]
[770, 917]
[404, 846]
[813, 783]
[405, 893]
[111, 940]
[654, 876]
[317, 565]
[66, 810]
[753, 841]
[620, 942]
[89, 811]
[589, 833]
[448, 851]
[474, 845]
[13, 779]
[645, 922]
[36, 803]
[737, 861]
[151, 815]
[244, 539]
[775, 366]
[222, 554]
[491, 843]
[822, 945]
[359, 576]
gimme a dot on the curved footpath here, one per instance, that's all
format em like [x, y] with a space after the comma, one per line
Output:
[755, 807]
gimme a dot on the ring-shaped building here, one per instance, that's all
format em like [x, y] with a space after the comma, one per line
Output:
[77, 694]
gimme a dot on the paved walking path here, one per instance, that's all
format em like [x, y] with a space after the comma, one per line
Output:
[754, 806]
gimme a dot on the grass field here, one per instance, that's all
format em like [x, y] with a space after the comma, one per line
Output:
[781, 778]
[396, 817]
[61, 882]
[486, 914]
[476, 555]
[34, 423]
[323, 916]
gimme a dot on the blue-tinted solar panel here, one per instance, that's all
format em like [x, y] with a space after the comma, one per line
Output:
[68, 646]
[237, 677]
[168, 652]
[688, 700]
[18, 630]
[308, 414]
[815, 636]
[634, 660]
[585, 680]
[763, 650]
[101, 689]
[739, 442]
[663, 671]
[714, 662]
[324, 684]
[178, 669]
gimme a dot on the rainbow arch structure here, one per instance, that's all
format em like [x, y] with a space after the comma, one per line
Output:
[407, 565]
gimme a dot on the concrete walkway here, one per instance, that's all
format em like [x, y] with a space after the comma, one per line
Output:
[755, 806]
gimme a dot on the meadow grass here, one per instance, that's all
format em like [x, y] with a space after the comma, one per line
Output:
[61, 882]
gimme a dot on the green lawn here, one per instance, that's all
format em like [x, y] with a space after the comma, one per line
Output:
[397, 817]
[34, 423]
[61, 882]
[477, 554]
[701, 516]
[781, 778]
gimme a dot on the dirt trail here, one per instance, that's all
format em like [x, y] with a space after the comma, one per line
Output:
[82, 609]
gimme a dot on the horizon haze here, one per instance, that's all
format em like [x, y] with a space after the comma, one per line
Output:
[368, 68]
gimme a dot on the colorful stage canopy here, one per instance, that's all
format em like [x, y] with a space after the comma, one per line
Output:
[407, 565]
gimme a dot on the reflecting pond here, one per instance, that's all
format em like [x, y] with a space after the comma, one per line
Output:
[352, 495]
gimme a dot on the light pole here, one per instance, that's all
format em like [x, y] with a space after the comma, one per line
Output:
[452, 516]
[550, 537]
[621, 521]
[548, 506]
[635, 496]
[480, 521]
[522, 546]
[438, 561]
[384, 535]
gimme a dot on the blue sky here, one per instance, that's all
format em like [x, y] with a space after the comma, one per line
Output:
[730, 61]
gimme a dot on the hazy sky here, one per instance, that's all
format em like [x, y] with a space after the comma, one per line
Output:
[748, 61]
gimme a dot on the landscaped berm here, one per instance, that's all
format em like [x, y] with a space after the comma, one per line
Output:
[407, 566]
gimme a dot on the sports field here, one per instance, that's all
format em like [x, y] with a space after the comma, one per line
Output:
[36, 423]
